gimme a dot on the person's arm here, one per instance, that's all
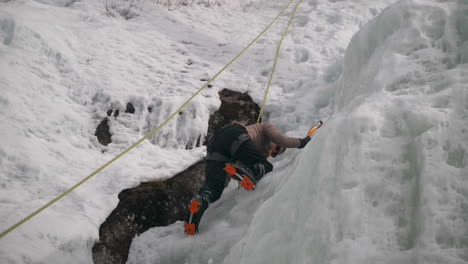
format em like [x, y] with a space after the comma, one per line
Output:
[275, 136]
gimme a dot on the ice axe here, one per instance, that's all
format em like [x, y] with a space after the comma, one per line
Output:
[320, 123]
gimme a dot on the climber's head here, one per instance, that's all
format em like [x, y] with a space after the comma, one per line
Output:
[277, 150]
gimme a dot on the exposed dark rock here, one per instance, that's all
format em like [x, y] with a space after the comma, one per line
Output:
[198, 141]
[109, 112]
[162, 203]
[102, 132]
[235, 106]
[148, 205]
[190, 145]
[130, 109]
[116, 113]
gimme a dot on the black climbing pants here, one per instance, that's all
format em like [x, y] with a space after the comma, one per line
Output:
[247, 153]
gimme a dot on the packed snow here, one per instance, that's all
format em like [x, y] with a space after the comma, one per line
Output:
[385, 180]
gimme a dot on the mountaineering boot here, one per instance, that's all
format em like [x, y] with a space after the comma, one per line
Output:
[241, 173]
[258, 170]
[197, 207]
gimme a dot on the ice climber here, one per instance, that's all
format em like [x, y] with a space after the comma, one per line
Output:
[241, 152]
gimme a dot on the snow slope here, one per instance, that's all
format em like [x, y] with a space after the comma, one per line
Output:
[62, 68]
[384, 181]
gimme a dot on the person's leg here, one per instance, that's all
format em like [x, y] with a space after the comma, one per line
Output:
[215, 179]
[253, 159]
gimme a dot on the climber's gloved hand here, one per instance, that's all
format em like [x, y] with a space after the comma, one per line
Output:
[304, 141]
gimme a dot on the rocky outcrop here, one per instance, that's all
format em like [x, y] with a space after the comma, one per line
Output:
[162, 203]
[130, 108]
[103, 129]
[103, 132]
[148, 205]
[235, 106]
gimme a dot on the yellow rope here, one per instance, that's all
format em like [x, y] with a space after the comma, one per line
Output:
[148, 135]
[276, 60]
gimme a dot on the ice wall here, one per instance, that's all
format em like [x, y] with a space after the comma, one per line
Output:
[386, 179]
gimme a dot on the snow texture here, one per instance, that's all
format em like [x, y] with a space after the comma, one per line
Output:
[383, 181]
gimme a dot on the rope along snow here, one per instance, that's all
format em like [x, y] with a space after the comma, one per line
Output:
[149, 134]
[276, 59]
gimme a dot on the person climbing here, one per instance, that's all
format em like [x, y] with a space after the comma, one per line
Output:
[239, 150]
